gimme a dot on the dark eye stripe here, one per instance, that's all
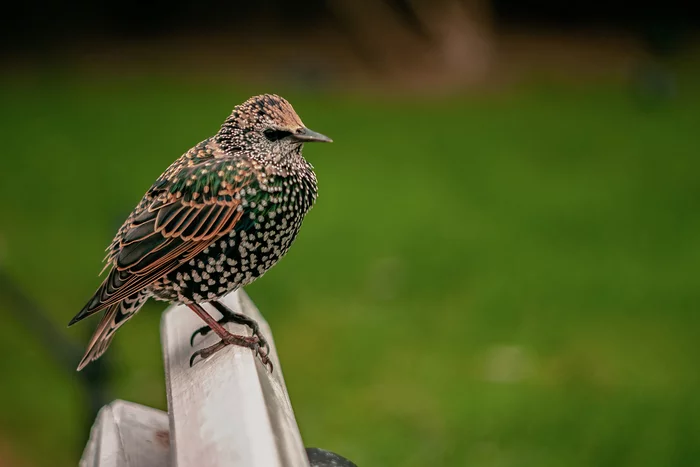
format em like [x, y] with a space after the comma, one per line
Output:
[276, 135]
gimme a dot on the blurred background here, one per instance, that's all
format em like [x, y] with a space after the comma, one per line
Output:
[502, 266]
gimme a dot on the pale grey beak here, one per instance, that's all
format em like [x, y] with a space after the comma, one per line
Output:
[304, 135]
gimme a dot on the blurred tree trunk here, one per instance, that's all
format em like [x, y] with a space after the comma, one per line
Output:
[422, 41]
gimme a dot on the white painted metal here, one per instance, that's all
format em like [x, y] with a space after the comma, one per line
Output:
[227, 410]
[128, 435]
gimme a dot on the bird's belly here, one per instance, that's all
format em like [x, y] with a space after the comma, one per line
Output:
[230, 262]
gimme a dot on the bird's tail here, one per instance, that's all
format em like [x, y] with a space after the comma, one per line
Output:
[114, 316]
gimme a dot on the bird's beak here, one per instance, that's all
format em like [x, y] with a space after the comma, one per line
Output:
[304, 135]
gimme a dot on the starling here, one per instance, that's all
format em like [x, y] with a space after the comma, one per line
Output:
[217, 219]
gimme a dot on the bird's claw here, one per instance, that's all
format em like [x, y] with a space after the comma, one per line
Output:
[257, 344]
[194, 356]
[263, 347]
[267, 362]
[203, 331]
[263, 351]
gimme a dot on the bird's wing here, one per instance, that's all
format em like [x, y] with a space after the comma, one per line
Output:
[186, 210]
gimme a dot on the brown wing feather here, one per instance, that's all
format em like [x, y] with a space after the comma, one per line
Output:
[156, 258]
[167, 232]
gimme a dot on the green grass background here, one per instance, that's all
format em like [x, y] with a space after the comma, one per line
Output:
[507, 279]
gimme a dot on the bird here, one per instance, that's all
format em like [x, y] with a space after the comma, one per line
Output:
[216, 220]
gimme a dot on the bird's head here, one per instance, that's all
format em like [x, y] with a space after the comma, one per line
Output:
[268, 128]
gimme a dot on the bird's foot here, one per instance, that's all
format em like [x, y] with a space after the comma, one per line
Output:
[239, 319]
[253, 343]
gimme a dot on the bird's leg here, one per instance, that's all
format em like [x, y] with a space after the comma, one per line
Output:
[227, 338]
[230, 316]
[227, 317]
[240, 318]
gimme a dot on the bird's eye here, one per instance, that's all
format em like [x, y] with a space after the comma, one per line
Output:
[275, 135]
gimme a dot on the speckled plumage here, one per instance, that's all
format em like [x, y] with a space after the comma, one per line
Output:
[217, 219]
